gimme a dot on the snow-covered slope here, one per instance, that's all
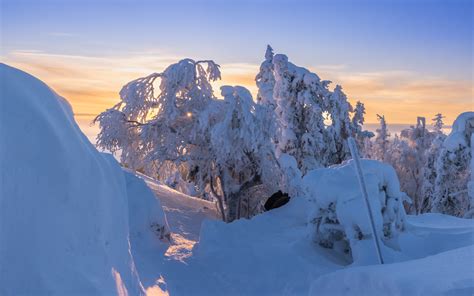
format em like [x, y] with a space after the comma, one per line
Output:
[272, 254]
[64, 223]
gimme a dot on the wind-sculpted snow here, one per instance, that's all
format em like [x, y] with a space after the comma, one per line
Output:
[64, 223]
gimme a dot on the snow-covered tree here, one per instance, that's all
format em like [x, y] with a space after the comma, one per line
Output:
[453, 169]
[438, 123]
[470, 184]
[412, 147]
[362, 137]
[266, 81]
[341, 126]
[298, 102]
[429, 172]
[300, 98]
[160, 130]
[381, 140]
[242, 151]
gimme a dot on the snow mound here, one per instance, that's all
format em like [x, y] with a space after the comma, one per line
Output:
[340, 214]
[64, 209]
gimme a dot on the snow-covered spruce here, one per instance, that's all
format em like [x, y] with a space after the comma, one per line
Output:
[299, 95]
[266, 81]
[301, 100]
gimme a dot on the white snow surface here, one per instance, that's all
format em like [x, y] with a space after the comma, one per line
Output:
[272, 254]
[64, 214]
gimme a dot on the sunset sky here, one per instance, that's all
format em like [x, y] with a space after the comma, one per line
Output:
[401, 58]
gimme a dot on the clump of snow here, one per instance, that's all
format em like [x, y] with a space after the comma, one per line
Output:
[64, 208]
[340, 219]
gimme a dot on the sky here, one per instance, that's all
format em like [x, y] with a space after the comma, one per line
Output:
[401, 58]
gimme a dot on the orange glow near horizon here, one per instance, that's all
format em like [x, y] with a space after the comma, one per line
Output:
[91, 84]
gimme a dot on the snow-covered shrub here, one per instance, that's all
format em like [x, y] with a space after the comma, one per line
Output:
[340, 218]
[453, 169]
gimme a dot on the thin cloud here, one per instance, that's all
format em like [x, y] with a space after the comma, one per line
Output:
[61, 34]
[92, 83]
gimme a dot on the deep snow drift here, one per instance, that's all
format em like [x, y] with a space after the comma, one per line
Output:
[64, 213]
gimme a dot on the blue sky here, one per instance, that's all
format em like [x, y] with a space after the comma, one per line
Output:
[407, 42]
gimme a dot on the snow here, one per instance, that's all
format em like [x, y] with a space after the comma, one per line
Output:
[63, 205]
[272, 254]
[433, 275]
